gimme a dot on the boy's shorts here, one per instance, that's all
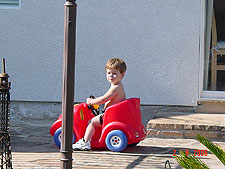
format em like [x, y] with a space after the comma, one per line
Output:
[101, 119]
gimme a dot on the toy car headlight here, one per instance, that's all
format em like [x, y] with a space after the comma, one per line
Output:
[137, 134]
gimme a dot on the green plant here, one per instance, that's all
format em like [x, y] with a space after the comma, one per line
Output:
[192, 162]
[215, 149]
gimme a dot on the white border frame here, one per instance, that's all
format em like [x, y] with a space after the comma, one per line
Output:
[201, 47]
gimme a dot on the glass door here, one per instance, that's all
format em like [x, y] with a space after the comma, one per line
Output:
[214, 60]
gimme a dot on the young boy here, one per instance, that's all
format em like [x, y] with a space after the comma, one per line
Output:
[115, 70]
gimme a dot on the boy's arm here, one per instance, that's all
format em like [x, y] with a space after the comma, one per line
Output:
[113, 90]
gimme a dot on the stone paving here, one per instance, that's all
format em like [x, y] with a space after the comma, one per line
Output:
[33, 147]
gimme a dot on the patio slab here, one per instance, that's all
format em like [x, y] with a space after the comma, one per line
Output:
[33, 147]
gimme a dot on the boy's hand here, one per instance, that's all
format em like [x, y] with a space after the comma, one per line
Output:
[88, 101]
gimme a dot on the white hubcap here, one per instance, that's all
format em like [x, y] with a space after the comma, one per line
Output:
[115, 141]
[59, 137]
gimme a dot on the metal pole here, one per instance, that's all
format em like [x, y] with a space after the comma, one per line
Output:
[68, 83]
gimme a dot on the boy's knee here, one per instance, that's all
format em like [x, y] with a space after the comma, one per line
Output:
[90, 121]
[94, 121]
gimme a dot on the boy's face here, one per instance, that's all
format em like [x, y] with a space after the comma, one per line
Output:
[114, 76]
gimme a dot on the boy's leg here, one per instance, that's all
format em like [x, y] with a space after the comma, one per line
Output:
[90, 130]
[84, 143]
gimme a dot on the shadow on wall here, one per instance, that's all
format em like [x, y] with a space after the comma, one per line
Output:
[51, 110]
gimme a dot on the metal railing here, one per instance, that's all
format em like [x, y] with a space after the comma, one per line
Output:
[5, 146]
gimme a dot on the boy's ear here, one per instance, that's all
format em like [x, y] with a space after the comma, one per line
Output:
[123, 75]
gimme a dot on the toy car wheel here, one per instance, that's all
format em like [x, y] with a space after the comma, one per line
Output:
[116, 140]
[57, 137]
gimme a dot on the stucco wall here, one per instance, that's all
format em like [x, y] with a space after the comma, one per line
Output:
[31, 40]
[158, 39]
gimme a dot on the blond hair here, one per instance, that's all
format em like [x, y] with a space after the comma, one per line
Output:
[117, 64]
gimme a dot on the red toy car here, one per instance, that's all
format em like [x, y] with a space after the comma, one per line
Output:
[122, 125]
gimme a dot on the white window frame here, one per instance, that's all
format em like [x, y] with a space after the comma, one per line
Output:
[10, 6]
[205, 95]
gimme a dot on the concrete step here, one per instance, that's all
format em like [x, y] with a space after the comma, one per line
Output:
[187, 125]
